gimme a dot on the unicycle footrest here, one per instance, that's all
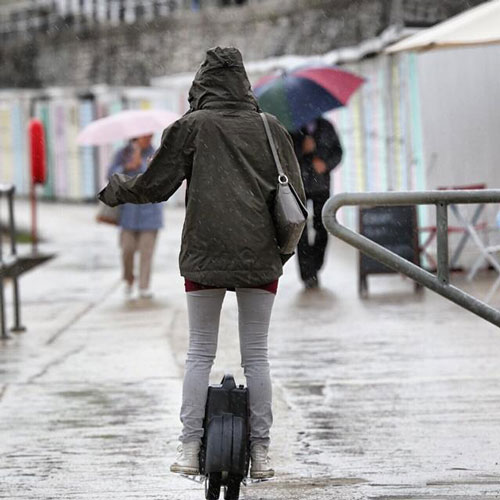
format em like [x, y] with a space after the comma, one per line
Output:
[196, 479]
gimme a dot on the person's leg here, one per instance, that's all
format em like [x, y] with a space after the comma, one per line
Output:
[204, 308]
[305, 255]
[321, 237]
[254, 314]
[147, 240]
[128, 243]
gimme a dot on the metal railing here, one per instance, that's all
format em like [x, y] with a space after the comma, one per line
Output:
[13, 265]
[8, 264]
[441, 199]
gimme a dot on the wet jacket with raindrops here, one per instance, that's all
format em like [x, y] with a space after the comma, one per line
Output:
[220, 147]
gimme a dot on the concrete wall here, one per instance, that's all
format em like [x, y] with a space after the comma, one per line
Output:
[130, 54]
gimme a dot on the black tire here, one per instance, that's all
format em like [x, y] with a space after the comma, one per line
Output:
[212, 487]
[232, 490]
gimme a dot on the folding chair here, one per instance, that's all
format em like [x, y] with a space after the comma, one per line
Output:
[486, 253]
[432, 230]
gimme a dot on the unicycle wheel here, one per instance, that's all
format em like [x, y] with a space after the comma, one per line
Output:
[232, 489]
[212, 486]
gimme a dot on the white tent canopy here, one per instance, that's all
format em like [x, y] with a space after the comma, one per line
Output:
[477, 26]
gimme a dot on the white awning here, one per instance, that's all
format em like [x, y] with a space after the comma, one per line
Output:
[477, 26]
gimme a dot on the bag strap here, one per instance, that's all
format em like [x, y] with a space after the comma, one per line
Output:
[283, 179]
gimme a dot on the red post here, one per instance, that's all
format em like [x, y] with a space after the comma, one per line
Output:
[38, 170]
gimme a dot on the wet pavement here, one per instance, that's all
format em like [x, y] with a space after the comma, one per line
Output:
[394, 397]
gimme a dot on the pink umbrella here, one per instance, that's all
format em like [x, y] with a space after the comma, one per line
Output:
[125, 125]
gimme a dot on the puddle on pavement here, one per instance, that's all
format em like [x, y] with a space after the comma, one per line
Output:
[315, 299]
[301, 488]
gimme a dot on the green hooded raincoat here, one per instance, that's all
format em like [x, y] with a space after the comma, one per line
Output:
[220, 147]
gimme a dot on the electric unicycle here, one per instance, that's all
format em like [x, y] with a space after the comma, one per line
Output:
[225, 449]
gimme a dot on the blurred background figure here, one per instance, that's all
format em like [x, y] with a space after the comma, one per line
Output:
[318, 151]
[139, 223]
[299, 99]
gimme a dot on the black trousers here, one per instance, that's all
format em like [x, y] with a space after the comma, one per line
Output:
[311, 257]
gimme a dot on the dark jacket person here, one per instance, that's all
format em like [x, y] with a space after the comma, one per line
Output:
[220, 147]
[318, 150]
[325, 145]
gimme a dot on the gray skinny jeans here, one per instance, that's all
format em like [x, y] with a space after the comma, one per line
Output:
[254, 314]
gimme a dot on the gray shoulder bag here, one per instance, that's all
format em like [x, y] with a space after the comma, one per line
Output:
[289, 213]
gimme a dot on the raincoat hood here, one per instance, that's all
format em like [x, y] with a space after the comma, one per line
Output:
[221, 81]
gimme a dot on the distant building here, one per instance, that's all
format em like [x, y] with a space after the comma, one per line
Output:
[22, 18]
[128, 42]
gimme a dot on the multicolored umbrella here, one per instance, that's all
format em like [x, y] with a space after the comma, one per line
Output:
[302, 95]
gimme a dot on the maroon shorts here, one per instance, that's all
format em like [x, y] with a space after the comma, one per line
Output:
[192, 286]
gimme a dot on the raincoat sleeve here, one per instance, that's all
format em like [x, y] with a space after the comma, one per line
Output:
[163, 177]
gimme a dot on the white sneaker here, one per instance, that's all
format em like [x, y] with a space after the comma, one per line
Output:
[187, 461]
[128, 291]
[145, 293]
[260, 467]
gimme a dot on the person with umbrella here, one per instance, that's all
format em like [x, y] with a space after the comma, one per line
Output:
[318, 151]
[139, 223]
[298, 99]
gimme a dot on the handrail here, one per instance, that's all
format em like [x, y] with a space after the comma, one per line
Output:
[11, 260]
[441, 199]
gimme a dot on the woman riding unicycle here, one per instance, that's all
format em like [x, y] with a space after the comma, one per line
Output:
[229, 239]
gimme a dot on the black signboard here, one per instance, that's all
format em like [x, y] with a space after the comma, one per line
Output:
[396, 229]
